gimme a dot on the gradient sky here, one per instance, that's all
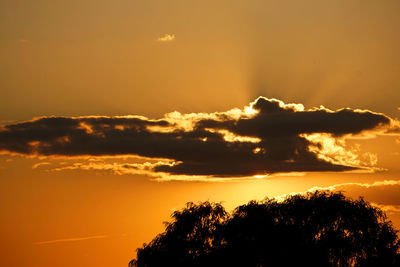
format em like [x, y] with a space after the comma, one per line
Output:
[72, 59]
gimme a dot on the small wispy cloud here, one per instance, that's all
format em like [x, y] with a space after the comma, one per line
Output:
[70, 239]
[336, 186]
[37, 165]
[166, 38]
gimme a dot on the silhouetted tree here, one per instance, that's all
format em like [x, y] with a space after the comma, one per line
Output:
[317, 229]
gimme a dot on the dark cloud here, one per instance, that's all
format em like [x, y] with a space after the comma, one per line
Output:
[266, 137]
[276, 119]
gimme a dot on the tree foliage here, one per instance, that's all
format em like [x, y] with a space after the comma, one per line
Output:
[317, 229]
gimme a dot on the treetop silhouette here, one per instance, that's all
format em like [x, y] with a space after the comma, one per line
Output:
[316, 229]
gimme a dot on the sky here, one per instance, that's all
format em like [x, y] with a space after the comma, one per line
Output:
[113, 114]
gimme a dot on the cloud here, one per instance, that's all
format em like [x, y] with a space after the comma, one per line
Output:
[337, 186]
[166, 38]
[395, 184]
[146, 168]
[37, 165]
[265, 137]
[116, 168]
[70, 239]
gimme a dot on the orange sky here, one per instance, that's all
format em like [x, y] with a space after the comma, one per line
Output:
[150, 58]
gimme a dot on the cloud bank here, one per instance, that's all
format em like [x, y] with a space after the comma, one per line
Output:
[265, 137]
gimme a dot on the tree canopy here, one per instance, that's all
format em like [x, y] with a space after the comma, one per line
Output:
[316, 229]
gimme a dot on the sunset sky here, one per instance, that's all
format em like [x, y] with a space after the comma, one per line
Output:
[113, 114]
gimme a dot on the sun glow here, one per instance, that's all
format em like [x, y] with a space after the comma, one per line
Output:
[249, 111]
[260, 176]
